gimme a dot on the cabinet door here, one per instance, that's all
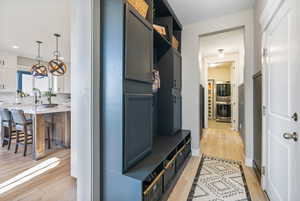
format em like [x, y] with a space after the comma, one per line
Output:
[9, 61]
[58, 84]
[67, 82]
[138, 127]
[138, 51]
[177, 71]
[8, 79]
[176, 113]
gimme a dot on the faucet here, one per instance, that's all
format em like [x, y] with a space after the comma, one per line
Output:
[37, 95]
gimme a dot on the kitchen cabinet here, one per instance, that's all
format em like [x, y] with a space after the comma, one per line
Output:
[8, 79]
[67, 82]
[62, 84]
[8, 61]
[59, 84]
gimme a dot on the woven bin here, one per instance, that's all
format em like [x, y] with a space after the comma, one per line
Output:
[141, 6]
[175, 42]
[160, 29]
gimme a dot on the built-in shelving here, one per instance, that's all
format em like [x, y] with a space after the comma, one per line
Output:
[162, 147]
[144, 145]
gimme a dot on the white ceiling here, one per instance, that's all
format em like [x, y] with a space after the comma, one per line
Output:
[231, 42]
[191, 11]
[24, 22]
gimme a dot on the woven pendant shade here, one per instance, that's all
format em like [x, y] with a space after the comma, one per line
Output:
[56, 66]
[39, 70]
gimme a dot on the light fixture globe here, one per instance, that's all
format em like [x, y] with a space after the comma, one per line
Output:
[56, 66]
[39, 70]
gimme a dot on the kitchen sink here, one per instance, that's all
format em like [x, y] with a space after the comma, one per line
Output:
[48, 105]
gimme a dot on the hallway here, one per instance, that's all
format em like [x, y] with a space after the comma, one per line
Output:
[221, 143]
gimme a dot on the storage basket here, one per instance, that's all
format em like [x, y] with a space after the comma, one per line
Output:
[175, 43]
[187, 149]
[155, 190]
[180, 158]
[160, 29]
[170, 171]
[141, 6]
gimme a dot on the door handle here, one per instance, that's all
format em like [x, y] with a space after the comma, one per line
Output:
[291, 136]
[295, 117]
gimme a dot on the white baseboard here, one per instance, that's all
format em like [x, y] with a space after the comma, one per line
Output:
[195, 152]
[249, 162]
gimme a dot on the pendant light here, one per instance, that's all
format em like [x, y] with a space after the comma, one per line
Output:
[56, 66]
[39, 70]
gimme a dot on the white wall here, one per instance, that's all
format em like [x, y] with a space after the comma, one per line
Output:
[220, 73]
[191, 73]
[81, 124]
[259, 7]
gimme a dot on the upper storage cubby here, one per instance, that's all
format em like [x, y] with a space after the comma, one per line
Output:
[143, 8]
[169, 26]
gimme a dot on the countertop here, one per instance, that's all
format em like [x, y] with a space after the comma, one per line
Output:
[32, 109]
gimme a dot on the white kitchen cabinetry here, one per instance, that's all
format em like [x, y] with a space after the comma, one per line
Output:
[62, 84]
[8, 79]
[59, 84]
[8, 61]
[67, 82]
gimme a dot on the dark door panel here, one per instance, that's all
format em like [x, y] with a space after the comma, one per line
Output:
[139, 48]
[176, 113]
[138, 127]
[177, 70]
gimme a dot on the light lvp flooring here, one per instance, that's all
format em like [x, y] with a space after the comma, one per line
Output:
[222, 143]
[55, 184]
[219, 125]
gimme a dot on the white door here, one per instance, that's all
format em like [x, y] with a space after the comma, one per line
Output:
[283, 73]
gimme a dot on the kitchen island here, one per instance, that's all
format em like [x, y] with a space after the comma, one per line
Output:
[60, 119]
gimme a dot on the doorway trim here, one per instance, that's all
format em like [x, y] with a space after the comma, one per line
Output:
[86, 98]
[231, 57]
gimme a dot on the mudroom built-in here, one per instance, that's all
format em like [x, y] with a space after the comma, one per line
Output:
[144, 145]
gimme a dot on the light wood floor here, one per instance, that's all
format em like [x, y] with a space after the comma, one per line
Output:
[55, 184]
[223, 143]
[218, 125]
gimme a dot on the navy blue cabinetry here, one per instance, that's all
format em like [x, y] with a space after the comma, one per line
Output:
[142, 134]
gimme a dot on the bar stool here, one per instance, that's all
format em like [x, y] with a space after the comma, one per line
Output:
[22, 125]
[7, 125]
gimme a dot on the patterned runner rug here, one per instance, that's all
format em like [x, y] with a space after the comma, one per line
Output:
[219, 180]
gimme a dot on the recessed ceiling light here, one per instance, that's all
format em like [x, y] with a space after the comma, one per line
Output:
[221, 53]
[15, 47]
